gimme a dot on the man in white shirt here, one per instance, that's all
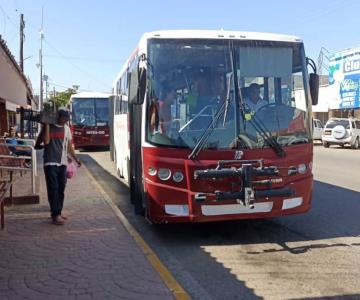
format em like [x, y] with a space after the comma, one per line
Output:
[254, 101]
[57, 146]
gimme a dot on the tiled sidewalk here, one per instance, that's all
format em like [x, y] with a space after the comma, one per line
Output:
[91, 257]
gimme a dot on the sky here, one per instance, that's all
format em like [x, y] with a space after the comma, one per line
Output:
[86, 42]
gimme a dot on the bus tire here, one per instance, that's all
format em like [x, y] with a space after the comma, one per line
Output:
[136, 194]
[138, 201]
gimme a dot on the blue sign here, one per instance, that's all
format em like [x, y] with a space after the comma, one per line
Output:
[344, 79]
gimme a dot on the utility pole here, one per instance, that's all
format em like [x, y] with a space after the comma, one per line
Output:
[22, 36]
[46, 78]
[53, 103]
[40, 62]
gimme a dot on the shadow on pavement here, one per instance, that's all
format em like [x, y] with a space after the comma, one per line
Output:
[333, 215]
[342, 297]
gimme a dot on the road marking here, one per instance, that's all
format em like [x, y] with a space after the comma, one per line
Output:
[175, 287]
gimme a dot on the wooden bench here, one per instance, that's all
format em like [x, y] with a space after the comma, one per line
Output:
[9, 164]
[4, 187]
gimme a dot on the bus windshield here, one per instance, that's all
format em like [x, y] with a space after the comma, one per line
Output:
[191, 80]
[90, 112]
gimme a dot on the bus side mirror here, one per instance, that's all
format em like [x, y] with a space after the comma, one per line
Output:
[137, 86]
[314, 88]
[133, 86]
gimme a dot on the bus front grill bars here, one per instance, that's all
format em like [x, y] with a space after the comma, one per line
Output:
[247, 194]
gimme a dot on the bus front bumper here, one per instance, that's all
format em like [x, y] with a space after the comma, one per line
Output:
[166, 204]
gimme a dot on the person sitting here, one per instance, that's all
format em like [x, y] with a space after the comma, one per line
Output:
[254, 101]
[154, 115]
[19, 151]
[165, 117]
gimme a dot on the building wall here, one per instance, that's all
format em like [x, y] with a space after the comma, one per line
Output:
[3, 119]
[12, 86]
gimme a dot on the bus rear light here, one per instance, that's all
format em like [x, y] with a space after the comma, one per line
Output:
[164, 174]
[178, 176]
[152, 171]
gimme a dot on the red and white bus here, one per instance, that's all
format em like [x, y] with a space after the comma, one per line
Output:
[89, 120]
[192, 145]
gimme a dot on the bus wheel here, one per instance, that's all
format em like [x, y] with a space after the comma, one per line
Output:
[138, 201]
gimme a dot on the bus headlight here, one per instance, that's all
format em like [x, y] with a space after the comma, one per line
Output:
[178, 176]
[164, 174]
[152, 171]
[302, 169]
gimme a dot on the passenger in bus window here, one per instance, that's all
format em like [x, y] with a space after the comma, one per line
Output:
[253, 101]
[154, 115]
[200, 94]
[165, 117]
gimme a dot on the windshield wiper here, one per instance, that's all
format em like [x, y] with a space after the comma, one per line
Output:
[203, 139]
[253, 119]
[227, 100]
[268, 138]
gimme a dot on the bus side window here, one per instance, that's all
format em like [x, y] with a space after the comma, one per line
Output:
[117, 107]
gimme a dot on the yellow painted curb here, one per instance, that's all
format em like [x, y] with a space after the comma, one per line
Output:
[175, 287]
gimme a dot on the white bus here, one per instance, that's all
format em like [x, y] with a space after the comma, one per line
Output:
[120, 125]
[187, 140]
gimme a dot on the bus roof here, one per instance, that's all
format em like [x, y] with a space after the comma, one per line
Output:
[221, 34]
[90, 95]
[206, 34]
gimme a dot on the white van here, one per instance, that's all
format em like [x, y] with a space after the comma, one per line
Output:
[317, 130]
[341, 131]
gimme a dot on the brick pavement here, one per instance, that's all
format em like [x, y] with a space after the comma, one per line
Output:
[91, 257]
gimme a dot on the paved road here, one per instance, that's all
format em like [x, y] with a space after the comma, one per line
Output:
[309, 256]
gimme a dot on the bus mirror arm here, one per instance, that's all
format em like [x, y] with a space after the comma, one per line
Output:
[314, 88]
[313, 82]
[137, 85]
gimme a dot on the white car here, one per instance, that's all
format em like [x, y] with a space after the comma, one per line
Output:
[342, 131]
[317, 130]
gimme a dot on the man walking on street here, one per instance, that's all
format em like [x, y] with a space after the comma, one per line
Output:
[57, 147]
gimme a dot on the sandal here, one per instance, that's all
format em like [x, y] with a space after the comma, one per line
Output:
[58, 220]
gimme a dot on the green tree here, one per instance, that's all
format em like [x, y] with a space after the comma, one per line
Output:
[62, 98]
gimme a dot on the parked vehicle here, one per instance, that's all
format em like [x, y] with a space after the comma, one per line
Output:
[342, 131]
[317, 130]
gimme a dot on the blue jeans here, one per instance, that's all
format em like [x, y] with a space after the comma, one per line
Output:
[55, 184]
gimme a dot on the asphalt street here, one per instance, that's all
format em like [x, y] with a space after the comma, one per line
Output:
[310, 256]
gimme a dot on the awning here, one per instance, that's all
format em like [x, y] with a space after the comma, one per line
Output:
[12, 86]
[10, 106]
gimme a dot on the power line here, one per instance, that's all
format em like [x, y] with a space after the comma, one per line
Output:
[105, 60]
[75, 66]
[7, 17]
[67, 87]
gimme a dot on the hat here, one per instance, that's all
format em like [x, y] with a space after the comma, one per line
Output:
[62, 112]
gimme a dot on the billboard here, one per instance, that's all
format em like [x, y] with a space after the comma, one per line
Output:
[344, 79]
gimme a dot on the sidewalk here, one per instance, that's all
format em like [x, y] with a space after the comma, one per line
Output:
[91, 257]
